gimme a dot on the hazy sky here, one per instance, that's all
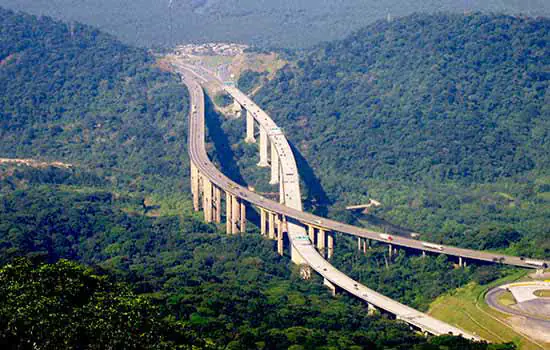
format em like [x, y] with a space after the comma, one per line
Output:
[287, 23]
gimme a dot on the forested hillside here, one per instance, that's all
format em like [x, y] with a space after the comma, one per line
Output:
[74, 94]
[443, 118]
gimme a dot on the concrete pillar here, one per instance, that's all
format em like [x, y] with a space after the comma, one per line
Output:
[365, 245]
[249, 128]
[330, 286]
[311, 233]
[359, 243]
[195, 186]
[274, 166]
[218, 198]
[263, 148]
[228, 213]
[243, 217]
[330, 244]
[423, 253]
[235, 212]
[237, 108]
[263, 221]
[280, 235]
[371, 309]
[272, 225]
[207, 200]
[321, 241]
[390, 250]
[460, 261]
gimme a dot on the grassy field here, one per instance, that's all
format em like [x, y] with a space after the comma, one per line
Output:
[466, 308]
[506, 299]
[543, 293]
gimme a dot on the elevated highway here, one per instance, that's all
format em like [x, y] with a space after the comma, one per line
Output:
[283, 218]
[293, 207]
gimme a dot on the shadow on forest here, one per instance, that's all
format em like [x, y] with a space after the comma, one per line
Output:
[317, 199]
[223, 153]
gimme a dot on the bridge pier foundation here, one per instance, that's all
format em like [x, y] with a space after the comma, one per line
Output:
[330, 286]
[218, 201]
[321, 238]
[330, 244]
[280, 237]
[272, 217]
[207, 199]
[263, 148]
[195, 186]
[311, 233]
[371, 309]
[249, 127]
[237, 108]
[228, 213]
[243, 217]
[274, 166]
[235, 213]
[263, 221]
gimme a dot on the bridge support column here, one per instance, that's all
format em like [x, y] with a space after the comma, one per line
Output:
[207, 199]
[263, 148]
[237, 108]
[243, 217]
[263, 221]
[423, 253]
[330, 286]
[218, 200]
[371, 309]
[195, 186]
[235, 213]
[461, 262]
[272, 218]
[274, 166]
[359, 243]
[390, 250]
[321, 241]
[228, 212]
[366, 245]
[330, 244]
[249, 127]
[311, 233]
[280, 236]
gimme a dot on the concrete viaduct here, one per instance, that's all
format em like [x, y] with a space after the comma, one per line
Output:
[310, 237]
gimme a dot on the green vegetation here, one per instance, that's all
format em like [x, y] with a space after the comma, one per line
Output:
[189, 284]
[507, 299]
[67, 306]
[74, 94]
[443, 118]
[543, 293]
[466, 308]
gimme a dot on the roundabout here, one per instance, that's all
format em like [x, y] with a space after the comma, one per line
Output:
[528, 304]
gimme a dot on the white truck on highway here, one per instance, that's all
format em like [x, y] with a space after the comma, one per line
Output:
[433, 246]
[386, 237]
[536, 263]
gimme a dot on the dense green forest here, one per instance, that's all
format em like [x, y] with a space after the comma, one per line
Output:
[443, 118]
[280, 23]
[162, 277]
[74, 94]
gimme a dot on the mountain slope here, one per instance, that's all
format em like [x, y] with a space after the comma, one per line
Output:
[420, 111]
[74, 94]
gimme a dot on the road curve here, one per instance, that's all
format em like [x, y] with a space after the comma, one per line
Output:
[330, 225]
[307, 251]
